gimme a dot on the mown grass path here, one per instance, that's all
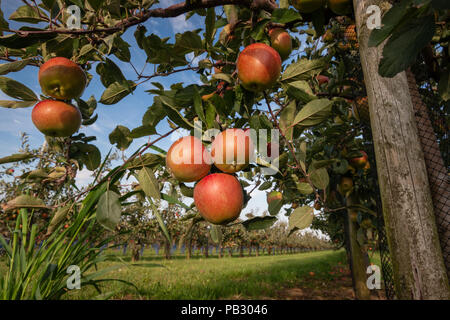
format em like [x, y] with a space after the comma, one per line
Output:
[226, 278]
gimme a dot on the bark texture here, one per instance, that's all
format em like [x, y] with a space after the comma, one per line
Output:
[419, 271]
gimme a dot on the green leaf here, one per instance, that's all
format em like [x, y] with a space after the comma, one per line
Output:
[58, 217]
[444, 85]
[304, 188]
[16, 104]
[148, 183]
[414, 36]
[286, 119]
[120, 136]
[258, 223]
[173, 200]
[301, 218]
[28, 14]
[186, 191]
[275, 206]
[13, 66]
[198, 105]
[49, 3]
[303, 70]
[16, 41]
[25, 201]
[116, 92]
[320, 178]
[285, 15]
[390, 21]
[110, 73]
[300, 90]
[142, 131]
[109, 210]
[175, 115]
[266, 185]
[209, 25]
[91, 157]
[215, 232]
[17, 90]
[16, 157]
[189, 41]
[95, 4]
[313, 112]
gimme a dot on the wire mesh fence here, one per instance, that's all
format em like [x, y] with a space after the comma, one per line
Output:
[437, 170]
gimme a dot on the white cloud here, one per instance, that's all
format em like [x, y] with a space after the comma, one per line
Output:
[84, 177]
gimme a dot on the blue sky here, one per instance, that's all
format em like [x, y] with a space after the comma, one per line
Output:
[127, 112]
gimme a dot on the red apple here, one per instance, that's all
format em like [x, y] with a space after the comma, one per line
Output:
[56, 118]
[360, 162]
[219, 198]
[232, 150]
[259, 67]
[188, 159]
[62, 79]
[322, 79]
[281, 41]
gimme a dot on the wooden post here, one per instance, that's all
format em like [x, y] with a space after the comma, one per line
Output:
[419, 271]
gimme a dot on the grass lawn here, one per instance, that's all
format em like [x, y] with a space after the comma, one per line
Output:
[214, 278]
[312, 275]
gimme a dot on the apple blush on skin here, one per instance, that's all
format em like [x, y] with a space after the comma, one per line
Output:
[62, 79]
[219, 198]
[232, 150]
[188, 160]
[56, 118]
[281, 41]
[259, 67]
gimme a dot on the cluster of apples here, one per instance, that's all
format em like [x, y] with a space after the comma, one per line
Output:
[62, 80]
[346, 182]
[339, 7]
[218, 197]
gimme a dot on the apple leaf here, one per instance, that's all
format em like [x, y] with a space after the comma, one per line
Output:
[313, 112]
[285, 15]
[215, 232]
[304, 69]
[304, 188]
[301, 218]
[319, 178]
[116, 92]
[142, 131]
[286, 118]
[25, 201]
[16, 157]
[275, 207]
[413, 35]
[186, 191]
[13, 66]
[109, 210]
[149, 184]
[300, 90]
[258, 223]
[121, 137]
[28, 14]
[17, 90]
[58, 217]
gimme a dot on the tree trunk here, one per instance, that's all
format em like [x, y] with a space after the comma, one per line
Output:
[241, 251]
[257, 251]
[167, 249]
[358, 257]
[419, 271]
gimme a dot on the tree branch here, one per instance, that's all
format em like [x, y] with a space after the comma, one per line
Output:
[169, 12]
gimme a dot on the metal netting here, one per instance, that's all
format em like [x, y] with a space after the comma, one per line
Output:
[437, 170]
